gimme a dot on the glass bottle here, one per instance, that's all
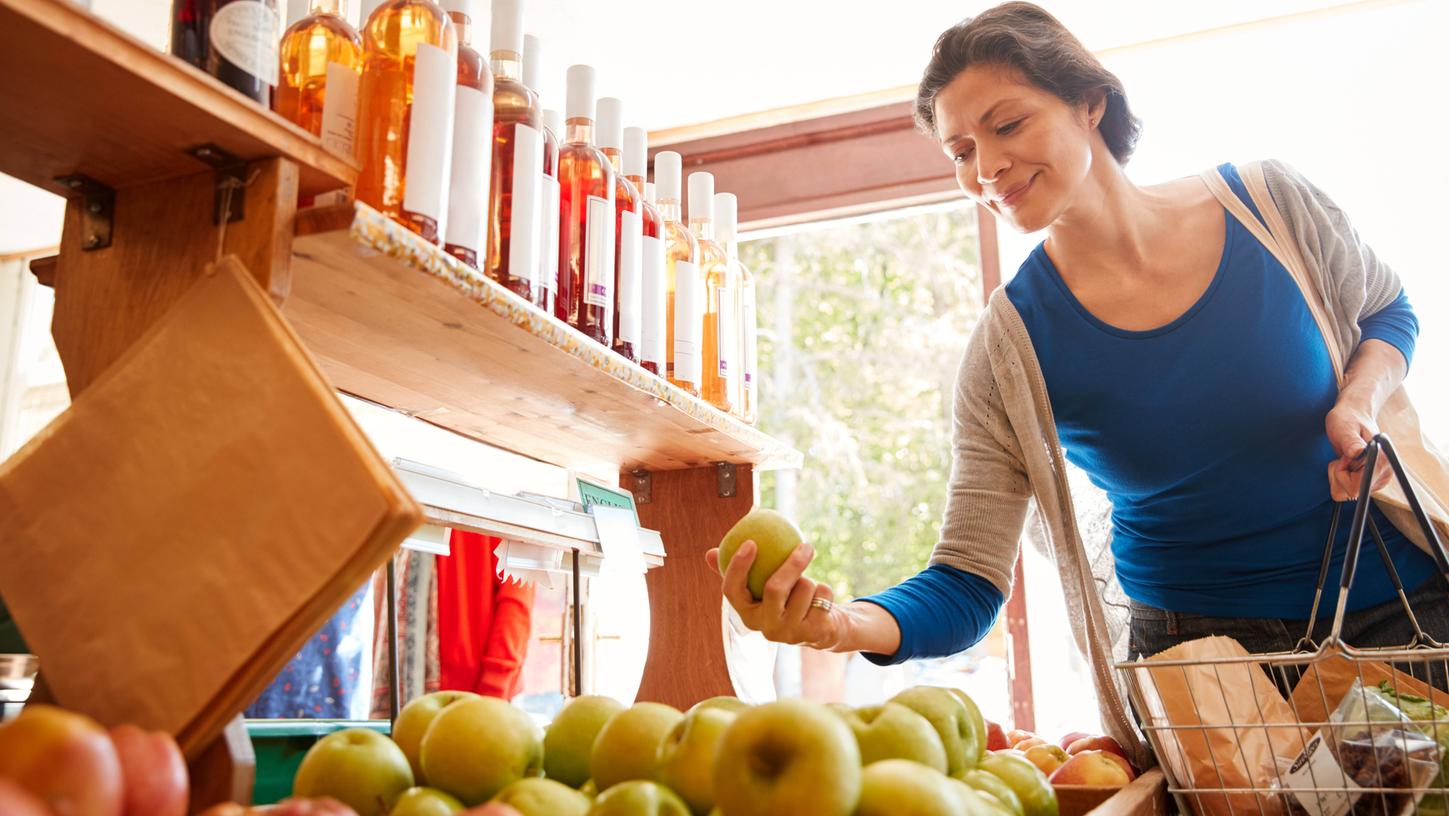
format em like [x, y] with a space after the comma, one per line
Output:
[553, 129]
[515, 189]
[719, 297]
[628, 234]
[726, 216]
[233, 40]
[405, 113]
[683, 286]
[466, 233]
[586, 224]
[320, 68]
[652, 284]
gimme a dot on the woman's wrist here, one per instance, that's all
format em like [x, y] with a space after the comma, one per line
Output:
[867, 627]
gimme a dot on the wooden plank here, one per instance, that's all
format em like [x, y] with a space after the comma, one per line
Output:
[1144, 796]
[395, 321]
[225, 771]
[686, 660]
[81, 96]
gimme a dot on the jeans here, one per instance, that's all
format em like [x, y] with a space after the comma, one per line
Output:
[1385, 625]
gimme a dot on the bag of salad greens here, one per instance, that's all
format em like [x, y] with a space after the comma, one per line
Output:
[1435, 722]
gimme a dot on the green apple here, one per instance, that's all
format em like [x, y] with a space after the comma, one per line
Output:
[414, 719]
[1030, 785]
[639, 798]
[989, 783]
[976, 720]
[725, 702]
[892, 731]
[544, 797]
[791, 756]
[976, 802]
[359, 768]
[589, 789]
[687, 757]
[951, 720]
[425, 802]
[900, 787]
[570, 737]
[476, 748]
[775, 538]
[628, 745]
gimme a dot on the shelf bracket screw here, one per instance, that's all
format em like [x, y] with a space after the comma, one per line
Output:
[98, 209]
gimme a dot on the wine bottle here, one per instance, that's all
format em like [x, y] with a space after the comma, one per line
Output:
[514, 205]
[628, 234]
[586, 224]
[683, 286]
[405, 114]
[652, 287]
[466, 234]
[235, 41]
[719, 297]
[546, 288]
[726, 216]
[321, 65]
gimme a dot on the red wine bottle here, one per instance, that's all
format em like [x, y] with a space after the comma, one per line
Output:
[235, 41]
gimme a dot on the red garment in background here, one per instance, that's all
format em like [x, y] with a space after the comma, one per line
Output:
[483, 621]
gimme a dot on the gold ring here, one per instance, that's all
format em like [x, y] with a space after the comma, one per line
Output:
[823, 604]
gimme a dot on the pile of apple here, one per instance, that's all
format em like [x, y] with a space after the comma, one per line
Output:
[924, 753]
[1078, 758]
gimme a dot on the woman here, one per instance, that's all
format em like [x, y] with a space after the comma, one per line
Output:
[1164, 348]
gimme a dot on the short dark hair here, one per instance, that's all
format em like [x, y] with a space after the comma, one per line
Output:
[1025, 37]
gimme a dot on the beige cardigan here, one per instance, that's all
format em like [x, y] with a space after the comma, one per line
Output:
[1007, 455]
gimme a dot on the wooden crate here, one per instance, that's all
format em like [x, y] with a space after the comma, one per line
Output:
[1144, 796]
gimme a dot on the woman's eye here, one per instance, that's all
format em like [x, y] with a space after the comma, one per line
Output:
[1008, 128]
[961, 157]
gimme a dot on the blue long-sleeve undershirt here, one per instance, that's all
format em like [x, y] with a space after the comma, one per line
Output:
[940, 611]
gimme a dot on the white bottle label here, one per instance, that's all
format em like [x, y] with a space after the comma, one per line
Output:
[525, 236]
[339, 110]
[654, 296]
[548, 217]
[599, 253]
[246, 32]
[472, 155]
[725, 332]
[430, 134]
[631, 283]
[751, 336]
[688, 325]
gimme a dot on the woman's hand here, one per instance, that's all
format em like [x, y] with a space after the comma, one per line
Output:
[785, 614]
[1350, 427]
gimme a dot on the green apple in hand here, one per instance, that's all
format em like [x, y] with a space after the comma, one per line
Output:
[951, 720]
[628, 745]
[544, 797]
[414, 719]
[687, 757]
[476, 748]
[893, 731]
[360, 768]
[570, 737]
[639, 798]
[775, 538]
[900, 787]
[425, 802]
[787, 757]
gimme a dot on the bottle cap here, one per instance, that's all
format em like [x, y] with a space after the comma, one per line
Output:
[636, 151]
[609, 130]
[701, 196]
[581, 93]
[532, 62]
[650, 192]
[726, 216]
[668, 167]
[507, 29]
[553, 120]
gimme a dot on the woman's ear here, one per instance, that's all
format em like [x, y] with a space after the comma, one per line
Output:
[1096, 106]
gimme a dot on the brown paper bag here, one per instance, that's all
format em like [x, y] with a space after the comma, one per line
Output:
[173, 538]
[1326, 682]
[1230, 724]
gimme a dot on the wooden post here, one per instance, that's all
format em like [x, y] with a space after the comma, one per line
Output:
[686, 660]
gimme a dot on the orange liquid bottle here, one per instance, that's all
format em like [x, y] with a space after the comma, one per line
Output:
[683, 285]
[628, 234]
[515, 187]
[553, 129]
[652, 285]
[321, 65]
[587, 215]
[465, 236]
[719, 298]
[726, 216]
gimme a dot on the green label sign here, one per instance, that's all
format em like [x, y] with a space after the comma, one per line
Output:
[591, 494]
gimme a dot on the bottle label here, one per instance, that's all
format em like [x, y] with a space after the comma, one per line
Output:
[631, 273]
[472, 155]
[430, 134]
[725, 331]
[599, 253]
[525, 236]
[751, 335]
[548, 216]
[688, 322]
[246, 33]
[339, 110]
[653, 306]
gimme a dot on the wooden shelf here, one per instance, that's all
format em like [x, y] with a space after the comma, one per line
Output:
[394, 320]
[83, 97]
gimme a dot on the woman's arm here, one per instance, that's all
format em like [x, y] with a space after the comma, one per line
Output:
[1375, 371]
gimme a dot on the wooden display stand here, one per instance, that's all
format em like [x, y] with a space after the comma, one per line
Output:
[166, 170]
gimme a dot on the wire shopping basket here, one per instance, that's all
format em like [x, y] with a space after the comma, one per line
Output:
[1325, 729]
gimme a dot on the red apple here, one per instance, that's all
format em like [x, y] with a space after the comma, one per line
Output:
[492, 809]
[17, 801]
[225, 809]
[1096, 768]
[1017, 735]
[995, 737]
[1067, 740]
[153, 771]
[299, 806]
[1097, 744]
[1046, 756]
[65, 759]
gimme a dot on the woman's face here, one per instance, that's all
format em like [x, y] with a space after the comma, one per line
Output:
[1019, 150]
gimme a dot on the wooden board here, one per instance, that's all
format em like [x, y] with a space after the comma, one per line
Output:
[80, 96]
[394, 320]
[1144, 796]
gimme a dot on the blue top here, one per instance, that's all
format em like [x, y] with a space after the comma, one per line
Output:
[1208, 436]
